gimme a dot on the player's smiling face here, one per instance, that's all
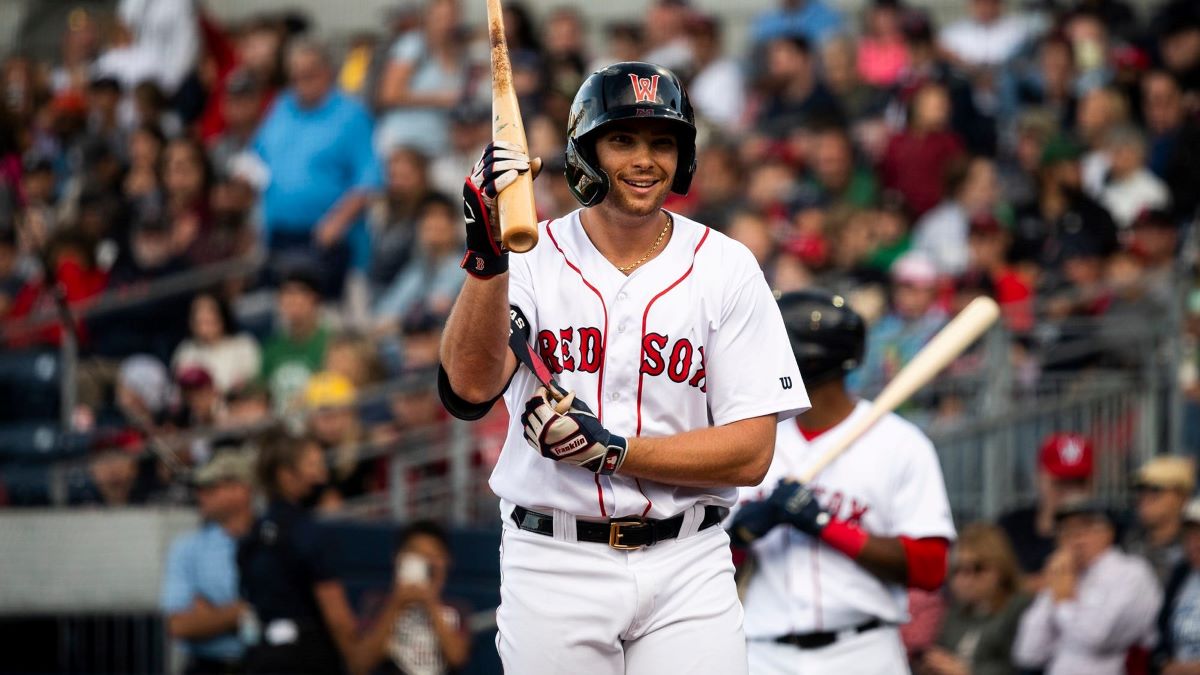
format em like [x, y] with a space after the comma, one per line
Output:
[640, 158]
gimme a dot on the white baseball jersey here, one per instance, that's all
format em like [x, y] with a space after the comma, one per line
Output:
[690, 339]
[889, 483]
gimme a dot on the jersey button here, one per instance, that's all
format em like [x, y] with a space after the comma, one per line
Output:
[622, 295]
[614, 396]
[621, 328]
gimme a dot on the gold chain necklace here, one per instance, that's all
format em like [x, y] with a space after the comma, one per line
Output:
[629, 268]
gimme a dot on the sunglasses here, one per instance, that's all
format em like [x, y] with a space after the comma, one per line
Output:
[971, 568]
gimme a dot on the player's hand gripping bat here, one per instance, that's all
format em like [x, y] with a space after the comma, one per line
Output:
[518, 217]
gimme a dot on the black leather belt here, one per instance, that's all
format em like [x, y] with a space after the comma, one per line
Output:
[826, 638]
[626, 533]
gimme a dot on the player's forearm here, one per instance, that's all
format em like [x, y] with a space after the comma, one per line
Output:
[203, 621]
[735, 454]
[475, 341]
[884, 557]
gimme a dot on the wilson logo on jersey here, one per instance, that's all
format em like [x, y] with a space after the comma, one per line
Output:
[785, 382]
[645, 89]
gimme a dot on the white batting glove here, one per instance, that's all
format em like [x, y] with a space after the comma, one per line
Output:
[498, 168]
[568, 431]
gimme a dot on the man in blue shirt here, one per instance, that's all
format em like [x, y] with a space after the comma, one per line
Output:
[315, 144]
[811, 19]
[200, 582]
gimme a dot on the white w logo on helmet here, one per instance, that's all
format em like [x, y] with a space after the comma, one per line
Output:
[645, 89]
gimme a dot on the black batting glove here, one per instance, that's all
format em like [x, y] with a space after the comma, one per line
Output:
[798, 507]
[752, 522]
[496, 169]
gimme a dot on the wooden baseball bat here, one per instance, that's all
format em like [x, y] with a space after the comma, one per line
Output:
[518, 218]
[951, 341]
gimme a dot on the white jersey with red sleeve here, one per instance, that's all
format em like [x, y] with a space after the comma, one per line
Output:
[889, 483]
[691, 339]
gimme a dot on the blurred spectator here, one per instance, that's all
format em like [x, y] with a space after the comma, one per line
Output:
[625, 41]
[1098, 603]
[187, 179]
[971, 190]
[247, 405]
[987, 260]
[416, 631]
[163, 43]
[354, 357]
[1100, 111]
[143, 390]
[305, 623]
[80, 46]
[882, 49]
[11, 280]
[201, 406]
[200, 577]
[718, 185]
[666, 42]
[985, 583]
[232, 358]
[1174, 153]
[471, 131]
[810, 19]
[433, 276]
[297, 349]
[1163, 486]
[241, 108]
[795, 96]
[1155, 240]
[316, 146]
[333, 424]
[156, 325]
[1051, 85]
[103, 121]
[393, 216]
[987, 37]
[717, 88]
[912, 320]
[834, 173]
[1178, 648]
[112, 477]
[1061, 211]
[70, 273]
[1064, 474]
[151, 106]
[860, 102]
[141, 181]
[1180, 44]
[425, 78]
[915, 160]
[1130, 187]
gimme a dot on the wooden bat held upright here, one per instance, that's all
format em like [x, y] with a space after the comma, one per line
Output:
[951, 341]
[518, 218]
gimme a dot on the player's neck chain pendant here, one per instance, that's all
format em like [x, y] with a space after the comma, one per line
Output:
[657, 242]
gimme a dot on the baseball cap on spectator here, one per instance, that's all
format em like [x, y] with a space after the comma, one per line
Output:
[1156, 218]
[1066, 456]
[231, 465]
[1168, 472]
[915, 269]
[193, 377]
[1083, 505]
[146, 377]
[303, 273]
[329, 390]
[1060, 148]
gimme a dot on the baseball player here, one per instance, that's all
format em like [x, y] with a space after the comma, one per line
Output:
[677, 361]
[833, 558]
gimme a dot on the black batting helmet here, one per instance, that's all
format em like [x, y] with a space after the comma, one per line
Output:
[827, 336]
[628, 90]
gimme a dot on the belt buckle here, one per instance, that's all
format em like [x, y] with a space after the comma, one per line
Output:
[614, 534]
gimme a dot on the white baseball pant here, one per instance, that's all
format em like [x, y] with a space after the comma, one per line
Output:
[585, 608]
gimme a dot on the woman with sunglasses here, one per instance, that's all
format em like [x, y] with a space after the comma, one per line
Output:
[977, 635]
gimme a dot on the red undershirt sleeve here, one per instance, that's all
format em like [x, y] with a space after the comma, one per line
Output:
[925, 559]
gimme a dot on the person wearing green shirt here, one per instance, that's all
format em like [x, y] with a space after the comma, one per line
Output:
[297, 350]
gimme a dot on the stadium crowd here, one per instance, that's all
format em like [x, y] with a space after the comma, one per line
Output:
[1045, 154]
